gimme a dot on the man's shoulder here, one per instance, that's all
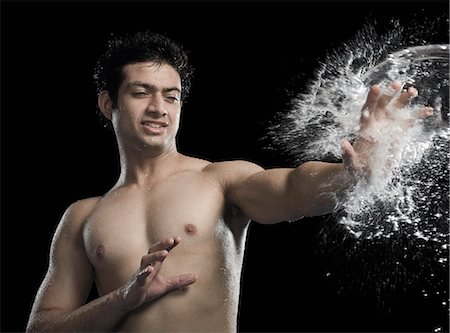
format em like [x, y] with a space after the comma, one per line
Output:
[201, 163]
[235, 166]
[192, 162]
[78, 210]
[74, 217]
[84, 204]
[232, 172]
[226, 171]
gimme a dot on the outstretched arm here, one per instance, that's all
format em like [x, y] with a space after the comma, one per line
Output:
[314, 188]
[60, 302]
[287, 194]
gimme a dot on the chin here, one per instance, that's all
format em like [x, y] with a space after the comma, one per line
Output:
[157, 144]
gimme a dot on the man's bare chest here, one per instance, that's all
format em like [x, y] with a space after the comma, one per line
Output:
[128, 220]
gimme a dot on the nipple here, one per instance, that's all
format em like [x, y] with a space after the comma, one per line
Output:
[100, 251]
[190, 229]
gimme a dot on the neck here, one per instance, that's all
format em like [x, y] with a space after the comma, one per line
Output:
[145, 167]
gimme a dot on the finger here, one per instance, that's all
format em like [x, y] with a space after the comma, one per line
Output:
[166, 244]
[396, 85]
[405, 97]
[176, 241]
[153, 257]
[371, 102]
[425, 112]
[181, 281]
[143, 274]
[388, 94]
[420, 114]
[348, 153]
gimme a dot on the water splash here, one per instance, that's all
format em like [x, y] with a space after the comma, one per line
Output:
[401, 213]
[412, 195]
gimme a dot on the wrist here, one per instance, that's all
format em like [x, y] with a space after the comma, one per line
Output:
[121, 297]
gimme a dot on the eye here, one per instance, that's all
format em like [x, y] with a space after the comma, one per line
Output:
[139, 93]
[172, 99]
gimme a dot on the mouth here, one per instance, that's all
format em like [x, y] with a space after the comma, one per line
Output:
[154, 127]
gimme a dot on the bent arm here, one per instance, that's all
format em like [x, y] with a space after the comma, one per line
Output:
[60, 301]
[100, 315]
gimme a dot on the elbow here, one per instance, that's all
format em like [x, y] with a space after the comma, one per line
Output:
[32, 324]
[313, 209]
[33, 327]
[278, 216]
[320, 204]
[36, 326]
[40, 322]
[322, 209]
[39, 327]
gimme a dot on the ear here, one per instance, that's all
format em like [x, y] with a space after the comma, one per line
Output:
[105, 104]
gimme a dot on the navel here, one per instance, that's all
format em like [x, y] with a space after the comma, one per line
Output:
[100, 251]
[190, 229]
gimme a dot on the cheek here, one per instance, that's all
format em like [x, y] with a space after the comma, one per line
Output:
[175, 119]
[123, 120]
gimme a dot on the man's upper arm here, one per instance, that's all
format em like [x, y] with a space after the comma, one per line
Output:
[69, 277]
[253, 190]
[264, 196]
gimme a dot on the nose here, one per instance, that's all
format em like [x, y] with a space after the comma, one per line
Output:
[156, 105]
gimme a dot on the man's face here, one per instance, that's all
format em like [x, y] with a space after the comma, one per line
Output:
[148, 107]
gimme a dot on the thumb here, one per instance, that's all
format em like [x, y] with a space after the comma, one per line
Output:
[348, 153]
[181, 281]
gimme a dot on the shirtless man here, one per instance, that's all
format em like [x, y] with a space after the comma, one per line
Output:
[165, 245]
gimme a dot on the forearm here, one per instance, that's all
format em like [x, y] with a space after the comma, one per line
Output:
[100, 315]
[288, 194]
[317, 187]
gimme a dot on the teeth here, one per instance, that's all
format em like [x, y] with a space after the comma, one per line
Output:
[153, 125]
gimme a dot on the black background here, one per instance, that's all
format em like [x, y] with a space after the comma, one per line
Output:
[304, 276]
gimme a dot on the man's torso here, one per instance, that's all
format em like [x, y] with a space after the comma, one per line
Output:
[191, 204]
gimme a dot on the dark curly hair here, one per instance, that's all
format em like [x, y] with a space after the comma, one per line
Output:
[140, 47]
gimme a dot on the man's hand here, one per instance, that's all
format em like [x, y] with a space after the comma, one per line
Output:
[147, 283]
[384, 121]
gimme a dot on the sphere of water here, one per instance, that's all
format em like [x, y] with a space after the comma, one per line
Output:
[412, 198]
[425, 67]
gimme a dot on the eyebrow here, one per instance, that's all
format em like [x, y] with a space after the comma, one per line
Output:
[151, 87]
